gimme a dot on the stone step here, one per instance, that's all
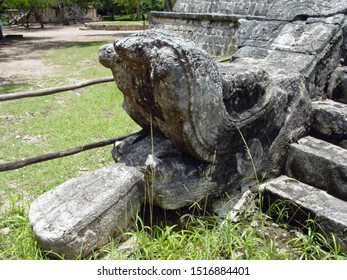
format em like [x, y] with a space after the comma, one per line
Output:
[320, 164]
[307, 202]
[330, 121]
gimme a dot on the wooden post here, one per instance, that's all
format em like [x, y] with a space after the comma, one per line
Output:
[49, 91]
[22, 163]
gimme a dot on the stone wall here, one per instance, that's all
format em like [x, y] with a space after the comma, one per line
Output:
[239, 7]
[212, 25]
[213, 33]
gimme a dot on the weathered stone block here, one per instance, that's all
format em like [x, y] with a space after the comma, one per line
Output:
[310, 203]
[294, 9]
[337, 89]
[330, 120]
[313, 50]
[81, 214]
[215, 33]
[298, 37]
[320, 164]
[255, 33]
[273, 9]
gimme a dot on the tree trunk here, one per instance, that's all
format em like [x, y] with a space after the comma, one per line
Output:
[39, 17]
[167, 6]
[62, 12]
[27, 20]
[112, 13]
[53, 90]
[138, 10]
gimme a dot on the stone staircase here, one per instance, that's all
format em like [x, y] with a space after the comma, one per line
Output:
[315, 182]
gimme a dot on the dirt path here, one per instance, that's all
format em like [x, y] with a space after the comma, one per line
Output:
[22, 56]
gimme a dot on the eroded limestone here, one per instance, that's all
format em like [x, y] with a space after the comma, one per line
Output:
[81, 214]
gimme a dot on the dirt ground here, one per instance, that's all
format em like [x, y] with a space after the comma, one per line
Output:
[20, 56]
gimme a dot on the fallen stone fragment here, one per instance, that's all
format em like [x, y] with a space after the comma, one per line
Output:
[224, 204]
[309, 202]
[320, 164]
[81, 214]
[5, 231]
[241, 206]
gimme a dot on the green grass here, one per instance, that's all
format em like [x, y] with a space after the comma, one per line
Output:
[123, 17]
[118, 23]
[253, 237]
[12, 86]
[78, 61]
[16, 238]
[118, 17]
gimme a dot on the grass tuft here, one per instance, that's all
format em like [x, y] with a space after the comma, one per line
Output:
[16, 238]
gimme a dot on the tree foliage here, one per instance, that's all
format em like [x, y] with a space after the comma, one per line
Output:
[141, 7]
[67, 8]
[70, 9]
[168, 5]
[29, 7]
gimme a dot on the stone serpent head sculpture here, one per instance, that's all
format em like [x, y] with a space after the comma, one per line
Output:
[209, 111]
